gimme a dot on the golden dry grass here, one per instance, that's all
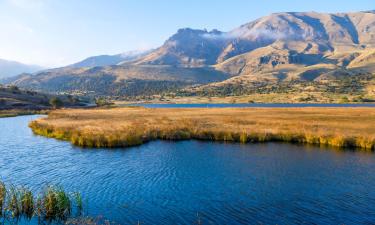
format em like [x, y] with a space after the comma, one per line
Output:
[121, 127]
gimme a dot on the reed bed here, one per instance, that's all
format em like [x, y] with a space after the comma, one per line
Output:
[53, 204]
[123, 127]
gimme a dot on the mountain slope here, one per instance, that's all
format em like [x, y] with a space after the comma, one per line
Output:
[13, 98]
[108, 60]
[12, 68]
[119, 80]
[187, 47]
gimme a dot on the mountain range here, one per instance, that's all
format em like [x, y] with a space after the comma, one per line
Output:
[12, 68]
[107, 60]
[281, 47]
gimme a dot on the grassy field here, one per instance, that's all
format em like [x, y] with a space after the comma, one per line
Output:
[122, 127]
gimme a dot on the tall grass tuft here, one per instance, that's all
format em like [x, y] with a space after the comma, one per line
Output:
[3, 193]
[53, 204]
[56, 204]
[79, 203]
[27, 203]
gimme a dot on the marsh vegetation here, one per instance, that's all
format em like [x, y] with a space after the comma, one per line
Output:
[52, 204]
[123, 127]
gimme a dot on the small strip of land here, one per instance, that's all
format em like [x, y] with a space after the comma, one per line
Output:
[123, 127]
[17, 112]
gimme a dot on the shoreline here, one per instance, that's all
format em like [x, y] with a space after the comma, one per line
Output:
[15, 113]
[351, 143]
[126, 127]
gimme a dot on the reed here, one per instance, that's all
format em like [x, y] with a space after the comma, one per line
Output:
[14, 204]
[53, 204]
[79, 202]
[2, 197]
[124, 127]
[27, 203]
[56, 204]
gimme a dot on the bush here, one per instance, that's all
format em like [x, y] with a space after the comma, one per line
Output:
[101, 102]
[56, 102]
[344, 100]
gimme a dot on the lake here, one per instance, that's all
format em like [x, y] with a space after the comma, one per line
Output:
[190, 181]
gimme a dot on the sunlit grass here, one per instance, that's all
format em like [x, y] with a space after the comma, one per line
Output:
[123, 127]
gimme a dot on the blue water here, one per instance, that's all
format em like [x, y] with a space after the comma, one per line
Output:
[251, 105]
[186, 182]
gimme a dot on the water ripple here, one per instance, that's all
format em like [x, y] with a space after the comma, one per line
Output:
[190, 182]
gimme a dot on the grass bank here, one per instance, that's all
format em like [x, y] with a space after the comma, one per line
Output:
[123, 127]
[13, 113]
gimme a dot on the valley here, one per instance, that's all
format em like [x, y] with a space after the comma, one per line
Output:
[137, 114]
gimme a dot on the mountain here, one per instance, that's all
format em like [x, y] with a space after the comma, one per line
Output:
[280, 48]
[108, 60]
[118, 80]
[188, 47]
[279, 39]
[12, 68]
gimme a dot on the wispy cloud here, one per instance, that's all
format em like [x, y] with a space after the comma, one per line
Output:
[254, 33]
[27, 4]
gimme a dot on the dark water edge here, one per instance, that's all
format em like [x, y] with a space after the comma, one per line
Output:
[185, 182]
[253, 105]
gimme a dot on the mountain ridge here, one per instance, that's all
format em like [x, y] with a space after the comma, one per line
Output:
[9, 68]
[107, 60]
[281, 47]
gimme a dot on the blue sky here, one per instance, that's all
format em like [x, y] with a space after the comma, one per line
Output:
[58, 32]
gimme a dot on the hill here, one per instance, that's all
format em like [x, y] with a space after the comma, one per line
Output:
[14, 98]
[12, 68]
[108, 60]
[128, 80]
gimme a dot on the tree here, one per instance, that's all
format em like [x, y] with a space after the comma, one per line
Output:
[73, 99]
[344, 99]
[14, 89]
[101, 102]
[56, 102]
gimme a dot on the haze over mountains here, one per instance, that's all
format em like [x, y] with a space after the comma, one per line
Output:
[12, 68]
[281, 47]
[107, 60]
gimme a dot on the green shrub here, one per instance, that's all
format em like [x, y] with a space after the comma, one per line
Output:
[56, 102]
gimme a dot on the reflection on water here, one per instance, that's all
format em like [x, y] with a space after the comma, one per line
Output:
[183, 182]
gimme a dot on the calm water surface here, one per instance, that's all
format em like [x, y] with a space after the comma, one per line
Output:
[183, 182]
